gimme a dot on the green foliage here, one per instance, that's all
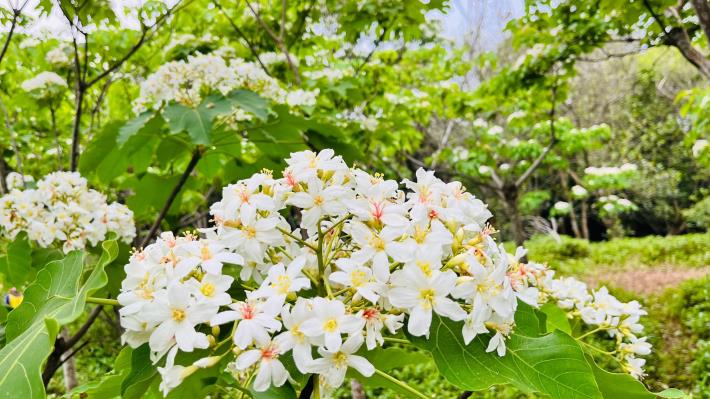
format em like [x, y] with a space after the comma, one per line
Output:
[679, 324]
[54, 299]
[575, 255]
[16, 263]
[698, 215]
[553, 364]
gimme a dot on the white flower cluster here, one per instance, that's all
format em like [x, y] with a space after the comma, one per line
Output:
[698, 147]
[187, 82]
[561, 208]
[58, 56]
[599, 310]
[366, 259]
[357, 115]
[63, 210]
[612, 205]
[44, 81]
[610, 170]
[16, 180]
[579, 192]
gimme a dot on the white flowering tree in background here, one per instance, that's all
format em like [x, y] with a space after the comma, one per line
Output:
[242, 191]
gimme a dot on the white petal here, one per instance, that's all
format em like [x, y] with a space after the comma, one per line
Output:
[361, 364]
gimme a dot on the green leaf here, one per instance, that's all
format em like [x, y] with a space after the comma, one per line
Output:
[553, 364]
[55, 298]
[556, 318]
[250, 102]
[285, 391]
[141, 376]
[101, 150]
[622, 385]
[109, 386]
[386, 360]
[197, 122]
[529, 321]
[137, 124]
[17, 263]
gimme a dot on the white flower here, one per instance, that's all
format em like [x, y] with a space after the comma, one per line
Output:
[420, 295]
[329, 321]
[634, 366]
[699, 146]
[271, 370]
[293, 338]
[318, 201]
[256, 320]
[637, 346]
[173, 374]
[43, 81]
[334, 363]
[497, 343]
[358, 277]
[283, 280]
[176, 314]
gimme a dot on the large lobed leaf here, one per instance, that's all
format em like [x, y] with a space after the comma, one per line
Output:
[16, 264]
[55, 298]
[553, 364]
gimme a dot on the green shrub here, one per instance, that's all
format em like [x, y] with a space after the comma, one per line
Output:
[573, 255]
[679, 327]
[698, 216]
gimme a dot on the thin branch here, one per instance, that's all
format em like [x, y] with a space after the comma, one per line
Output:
[196, 155]
[244, 37]
[282, 28]
[15, 17]
[144, 35]
[702, 9]
[375, 45]
[13, 139]
[553, 140]
[72, 353]
[3, 173]
[300, 25]
[279, 43]
[99, 101]
[678, 38]
[70, 342]
[55, 132]
[444, 140]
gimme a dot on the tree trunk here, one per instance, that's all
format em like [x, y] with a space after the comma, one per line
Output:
[679, 39]
[68, 367]
[572, 213]
[509, 196]
[585, 221]
[356, 390]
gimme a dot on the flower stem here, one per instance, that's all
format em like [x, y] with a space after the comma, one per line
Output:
[588, 333]
[298, 240]
[401, 384]
[102, 301]
[397, 340]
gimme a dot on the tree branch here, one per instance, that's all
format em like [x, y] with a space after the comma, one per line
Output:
[244, 37]
[15, 17]
[702, 9]
[678, 38]
[369, 56]
[3, 174]
[144, 35]
[196, 155]
[79, 334]
[279, 43]
[553, 140]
